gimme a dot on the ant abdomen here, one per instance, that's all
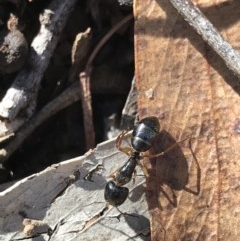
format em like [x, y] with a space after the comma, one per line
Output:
[115, 195]
[144, 134]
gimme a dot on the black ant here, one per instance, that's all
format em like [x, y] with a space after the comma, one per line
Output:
[143, 136]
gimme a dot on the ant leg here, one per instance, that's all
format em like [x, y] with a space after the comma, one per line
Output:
[134, 176]
[173, 201]
[168, 149]
[155, 155]
[125, 214]
[198, 173]
[127, 150]
[112, 175]
[144, 169]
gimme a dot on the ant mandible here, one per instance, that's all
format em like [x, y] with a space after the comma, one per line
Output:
[142, 139]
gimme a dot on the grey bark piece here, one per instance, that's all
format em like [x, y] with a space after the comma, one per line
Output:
[72, 208]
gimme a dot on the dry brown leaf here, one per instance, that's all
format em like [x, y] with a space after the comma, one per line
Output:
[181, 80]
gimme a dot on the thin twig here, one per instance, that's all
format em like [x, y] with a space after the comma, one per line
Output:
[85, 85]
[68, 97]
[87, 110]
[209, 33]
[105, 39]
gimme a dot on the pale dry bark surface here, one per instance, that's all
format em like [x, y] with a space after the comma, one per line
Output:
[182, 81]
[68, 199]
